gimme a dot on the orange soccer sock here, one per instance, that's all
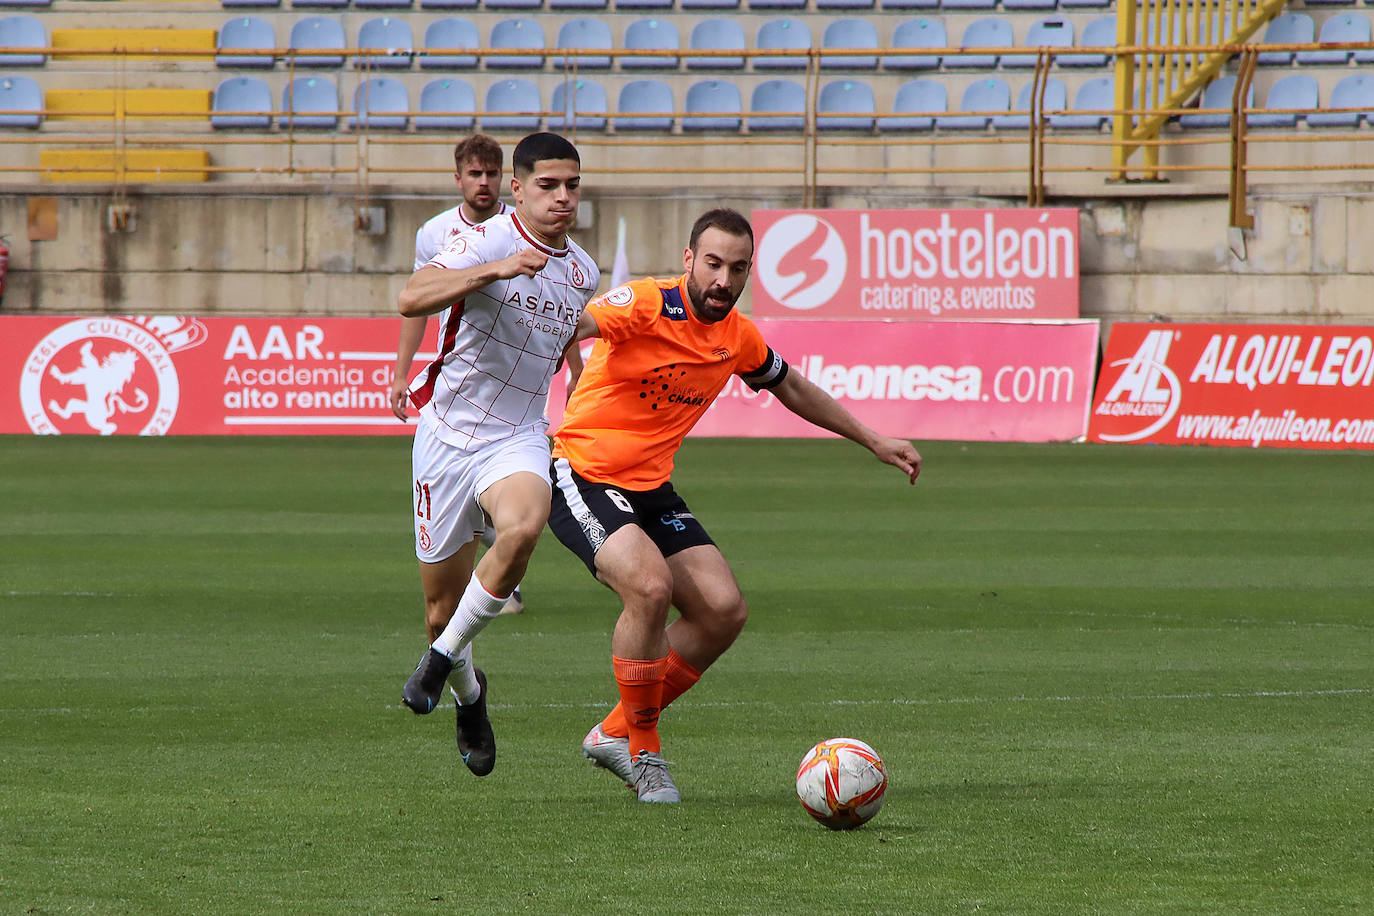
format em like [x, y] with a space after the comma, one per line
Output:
[641, 696]
[678, 678]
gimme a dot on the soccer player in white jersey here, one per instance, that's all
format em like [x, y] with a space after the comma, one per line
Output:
[478, 162]
[510, 293]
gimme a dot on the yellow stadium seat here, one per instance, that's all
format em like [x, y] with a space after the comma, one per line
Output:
[133, 40]
[144, 104]
[75, 165]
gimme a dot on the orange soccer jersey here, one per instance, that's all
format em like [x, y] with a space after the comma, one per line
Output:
[653, 372]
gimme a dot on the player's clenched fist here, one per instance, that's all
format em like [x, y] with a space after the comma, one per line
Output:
[527, 263]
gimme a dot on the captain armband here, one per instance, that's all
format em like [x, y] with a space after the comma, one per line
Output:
[769, 375]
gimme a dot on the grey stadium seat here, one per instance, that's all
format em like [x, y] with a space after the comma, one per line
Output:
[850, 33]
[1296, 91]
[777, 96]
[513, 97]
[388, 34]
[317, 33]
[916, 106]
[1046, 33]
[245, 33]
[1094, 95]
[713, 105]
[1100, 33]
[989, 95]
[583, 35]
[644, 105]
[315, 95]
[916, 33]
[517, 34]
[447, 34]
[716, 35]
[380, 103]
[23, 32]
[989, 32]
[249, 96]
[578, 104]
[1354, 91]
[782, 35]
[1288, 29]
[447, 104]
[1217, 95]
[845, 105]
[646, 35]
[1056, 98]
[21, 95]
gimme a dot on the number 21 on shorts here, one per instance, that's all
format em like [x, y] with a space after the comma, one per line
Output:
[422, 503]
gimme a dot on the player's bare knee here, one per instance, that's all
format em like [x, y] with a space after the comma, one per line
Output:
[728, 618]
[648, 591]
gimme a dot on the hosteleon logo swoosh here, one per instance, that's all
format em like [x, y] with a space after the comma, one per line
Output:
[802, 261]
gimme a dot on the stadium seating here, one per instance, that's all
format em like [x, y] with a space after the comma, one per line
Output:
[1295, 91]
[315, 95]
[778, 96]
[446, 34]
[1218, 94]
[927, 96]
[850, 33]
[844, 4]
[517, 34]
[845, 105]
[382, 4]
[916, 33]
[1046, 33]
[643, 4]
[716, 35]
[19, 94]
[646, 35]
[244, 33]
[511, 98]
[247, 95]
[1288, 29]
[448, 4]
[446, 104]
[387, 34]
[988, 95]
[967, 4]
[910, 5]
[782, 35]
[584, 34]
[317, 33]
[990, 32]
[1096, 95]
[1344, 27]
[777, 4]
[1354, 91]
[708, 4]
[579, 105]
[271, 4]
[319, 4]
[1100, 33]
[1084, 4]
[512, 4]
[1029, 5]
[1056, 98]
[22, 32]
[380, 103]
[712, 105]
[644, 105]
[577, 4]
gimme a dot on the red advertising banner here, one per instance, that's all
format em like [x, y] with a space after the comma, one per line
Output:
[946, 264]
[990, 381]
[155, 375]
[1290, 386]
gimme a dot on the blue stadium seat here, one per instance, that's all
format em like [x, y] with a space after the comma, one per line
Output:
[24, 32]
[1094, 95]
[989, 32]
[249, 96]
[319, 4]
[643, 4]
[444, 34]
[316, 95]
[716, 35]
[888, 5]
[1329, 2]
[446, 104]
[584, 34]
[20, 94]
[644, 105]
[990, 95]
[244, 33]
[1084, 4]
[1343, 27]
[1288, 29]
[1046, 33]
[1217, 95]
[1056, 98]
[917, 33]
[382, 4]
[845, 105]
[778, 96]
[577, 4]
[579, 105]
[223, 3]
[708, 4]
[850, 33]
[782, 35]
[521, 34]
[1296, 91]
[1354, 91]
[712, 105]
[1100, 33]
[507, 97]
[844, 4]
[967, 4]
[512, 4]
[777, 4]
[916, 105]
[1029, 4]
[650, 34]
[380, 102]
[448, 4]
[317, 33]
[388, 34]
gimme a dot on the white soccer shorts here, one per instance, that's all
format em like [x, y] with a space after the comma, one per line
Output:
[449, 480]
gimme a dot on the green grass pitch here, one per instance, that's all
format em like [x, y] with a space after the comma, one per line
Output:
[1105, 680]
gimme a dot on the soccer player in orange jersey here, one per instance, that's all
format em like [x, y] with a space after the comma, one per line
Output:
[666, 348]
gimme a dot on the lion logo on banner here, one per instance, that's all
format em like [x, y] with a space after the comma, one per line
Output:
[104, 381]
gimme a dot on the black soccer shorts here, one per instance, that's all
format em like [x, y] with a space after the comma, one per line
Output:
[585, 513]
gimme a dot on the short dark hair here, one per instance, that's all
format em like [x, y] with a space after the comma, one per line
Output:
[481, 149]
[537, 148]
[724, 219]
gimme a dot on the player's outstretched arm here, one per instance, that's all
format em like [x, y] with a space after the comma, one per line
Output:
[412, 333]
[806, 400]
[433, 289]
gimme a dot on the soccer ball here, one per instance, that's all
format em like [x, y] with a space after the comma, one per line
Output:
[841, 782]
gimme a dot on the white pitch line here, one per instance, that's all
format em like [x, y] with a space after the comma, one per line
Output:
[19, 594]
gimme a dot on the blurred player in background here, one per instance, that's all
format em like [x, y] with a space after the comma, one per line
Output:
[510, 292]
[478, 162]
[666, 350]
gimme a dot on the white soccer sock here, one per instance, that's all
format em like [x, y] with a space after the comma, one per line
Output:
[477, 608]
[462, 680]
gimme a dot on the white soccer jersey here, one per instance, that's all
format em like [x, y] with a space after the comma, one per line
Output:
[438, 231]
[499, 345]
